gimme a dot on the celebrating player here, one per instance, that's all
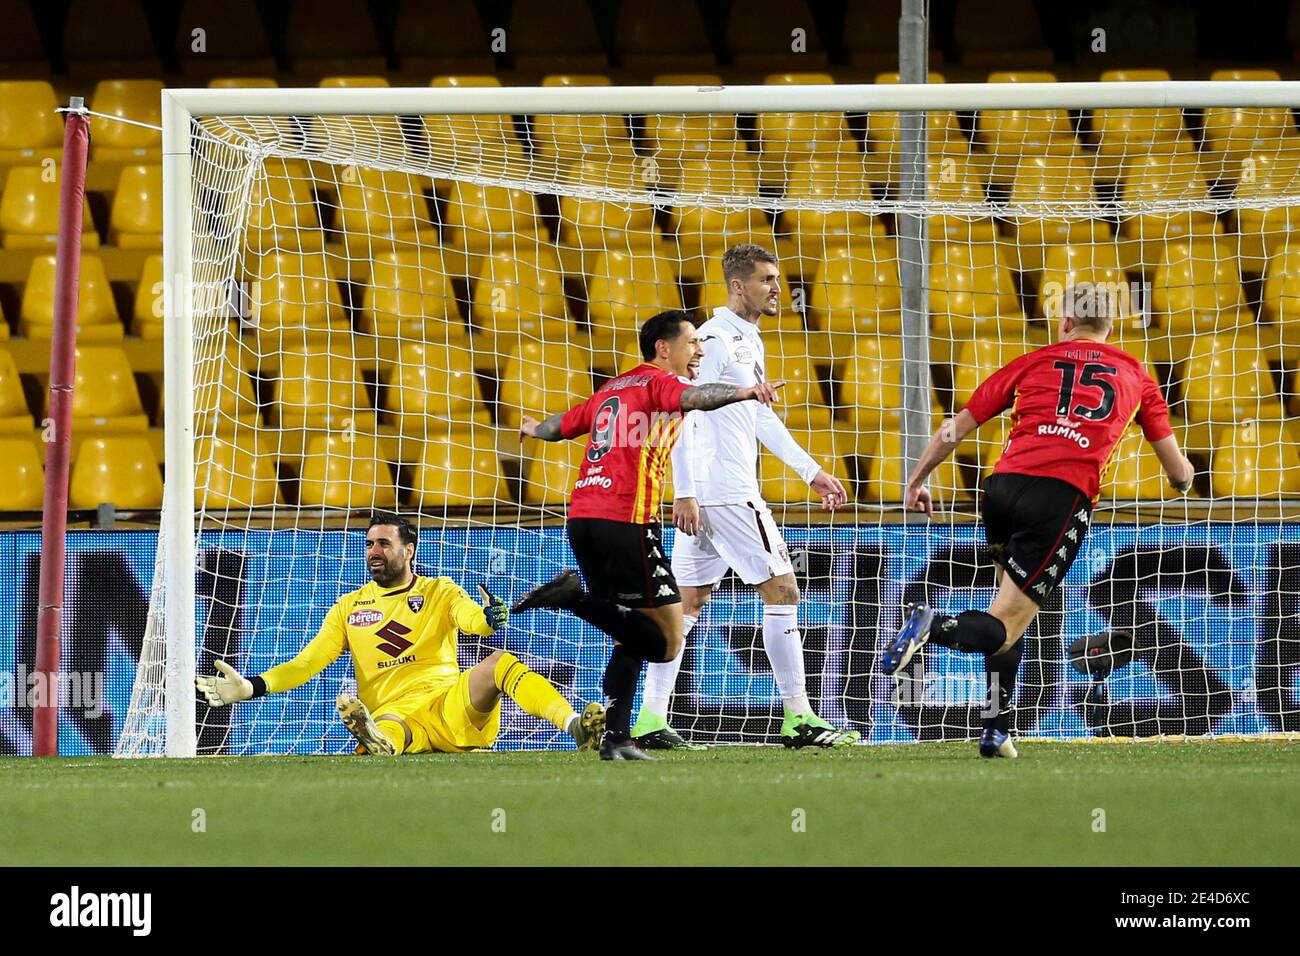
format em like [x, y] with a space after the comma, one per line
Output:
[1071, 403]
[401, 629]
[723, 518]
[632, 422]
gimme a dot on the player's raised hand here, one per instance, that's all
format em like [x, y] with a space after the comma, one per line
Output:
[227, 688]
[765, 392]
[831, 490]
[686, 515]
[494, 609]
[528, 427]
[918, 499]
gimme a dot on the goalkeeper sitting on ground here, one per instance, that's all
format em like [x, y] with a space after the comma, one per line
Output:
[401, 629]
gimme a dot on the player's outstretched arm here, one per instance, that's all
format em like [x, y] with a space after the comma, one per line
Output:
[1180, 471]
[948, 437]
[706, 398]
[228, 687]
[548, 430]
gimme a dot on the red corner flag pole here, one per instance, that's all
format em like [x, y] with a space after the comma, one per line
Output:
[54, 521]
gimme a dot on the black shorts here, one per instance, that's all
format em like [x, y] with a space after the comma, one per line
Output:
[624, 562]
[1034, 527]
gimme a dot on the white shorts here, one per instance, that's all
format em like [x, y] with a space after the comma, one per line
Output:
[744, 538]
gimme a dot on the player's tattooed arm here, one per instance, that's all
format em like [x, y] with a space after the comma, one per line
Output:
[705, 398]
[548, 430]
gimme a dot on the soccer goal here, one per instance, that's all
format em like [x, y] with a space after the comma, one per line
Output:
[365, 289]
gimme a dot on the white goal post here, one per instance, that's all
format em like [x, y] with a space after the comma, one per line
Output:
[204, 128]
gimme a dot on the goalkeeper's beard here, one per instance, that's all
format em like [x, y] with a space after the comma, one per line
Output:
[391, 573]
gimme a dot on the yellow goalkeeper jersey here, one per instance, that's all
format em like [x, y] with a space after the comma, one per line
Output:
[402, 641]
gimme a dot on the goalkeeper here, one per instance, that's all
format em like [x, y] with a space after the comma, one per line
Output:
[412, 695]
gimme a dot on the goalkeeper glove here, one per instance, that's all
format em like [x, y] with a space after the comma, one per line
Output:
[494, 609]
[225, 689]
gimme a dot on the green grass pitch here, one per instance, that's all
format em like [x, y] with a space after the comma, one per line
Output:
[933, 804]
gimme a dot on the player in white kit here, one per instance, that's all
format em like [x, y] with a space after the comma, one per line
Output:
[721, 517]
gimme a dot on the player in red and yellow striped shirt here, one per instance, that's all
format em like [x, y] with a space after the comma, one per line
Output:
[631, 424]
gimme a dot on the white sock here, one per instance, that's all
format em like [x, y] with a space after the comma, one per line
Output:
[660, 679]
[785, 653]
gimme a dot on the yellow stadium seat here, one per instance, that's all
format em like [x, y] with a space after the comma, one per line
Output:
[800, 404]
[551, 470]
[410, 297]
[147, 316]
[432, 389]
[108, 38]
[24, 51]
[139, 100]
[29, 211]
[782, 486]
[136, 218]
[1061, 181]
[884, 132]
[885, 475]
[1264, 179]
[953, 179]
[1154, 178]
[30, 129]
[591, 226]
[282, 209]
[567, 137]
[326, 36]
[441, 36]
[379, 209]
[346, 471]
[1281, 300]
[95, 304]
[293, 294]
[232, 472]
[984, 446]
[104, 393]
[827, 179]
[760, 36]
[224, 399]
[870, 383]
[545, 380]
[799, 134]
[22, 477]
[15, 416]
[1122, 134]
[971, 293]
[236, 48]
[1226, 379]
[686, 136]
[485, 219]
[1010, 134]
[1229, 131]
[1068, 268]
[625, 289]
[459, 469]
[518, 295]
[488, 139]
[1255, 459]
[976, 360]
[1197, 290]
[1134, 471]
[321, 390]
[120, 469]
[857, 290]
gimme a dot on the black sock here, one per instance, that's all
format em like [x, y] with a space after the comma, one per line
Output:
[636, 632]
[976, 632]
[619, 685]
[1001, 668]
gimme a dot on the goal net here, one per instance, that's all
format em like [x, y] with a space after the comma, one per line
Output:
[368, 288]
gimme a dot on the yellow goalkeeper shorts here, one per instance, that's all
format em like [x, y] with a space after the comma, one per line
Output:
[443, 720]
